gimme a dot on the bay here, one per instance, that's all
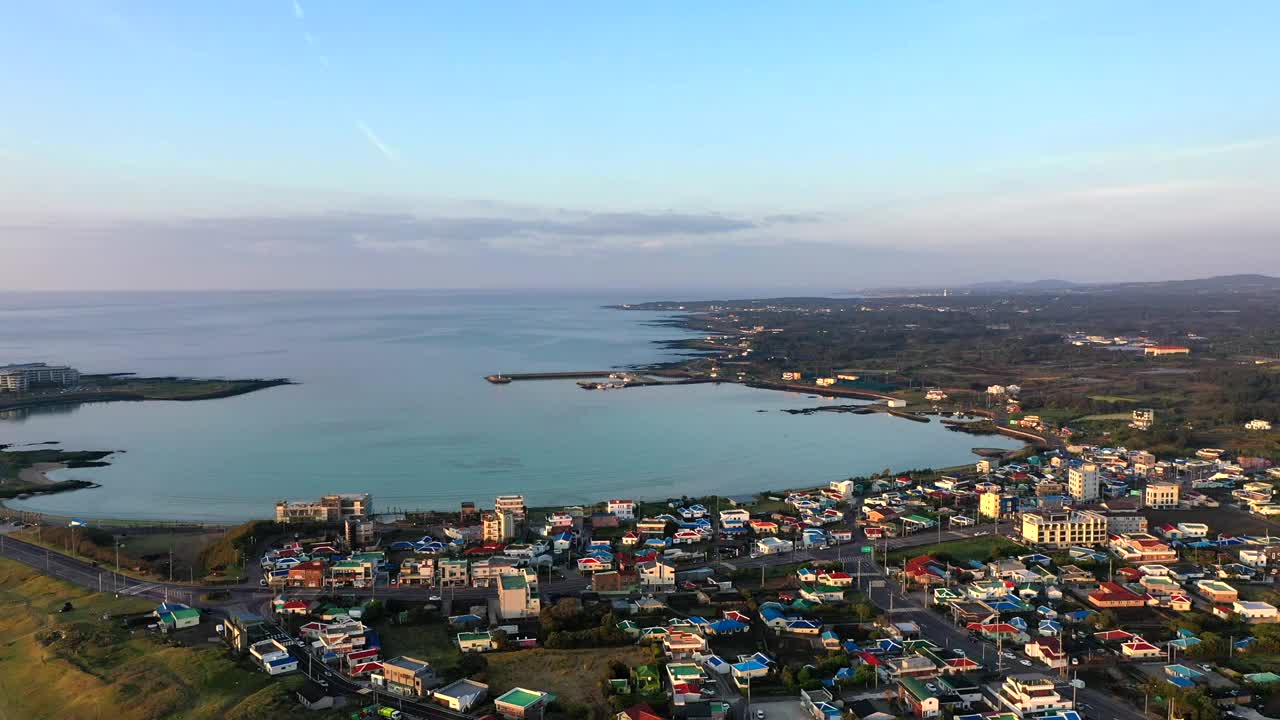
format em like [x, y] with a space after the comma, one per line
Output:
[391, 400]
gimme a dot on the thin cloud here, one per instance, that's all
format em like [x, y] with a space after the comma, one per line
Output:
[310, 40]
[387, 151]
[1243, 146]
[297, 10]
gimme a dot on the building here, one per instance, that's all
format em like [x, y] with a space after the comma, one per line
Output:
[1161, 495]
[179, 618]
[1119, 524]
[359, 532]
[513, 504]
[497, 526]
[242, 629]
[1064, 529]
[1083, 483]
[454, 572]
[1142, 549]
[1162, 350]
[624, 510]
[1258, 425]
[1030, 694]
[1255, 611]
[1143, 419]
[1217, 591]
[518, 596]
[309, 574]
[21, 378]
[328, 509]
[461, 696]
[657, 575]
[996, 505]
[521, 704]
[406, 676]
[1114, 595]
[773, 546]
[915, 695]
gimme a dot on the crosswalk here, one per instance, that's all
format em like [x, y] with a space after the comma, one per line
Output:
[139, 588]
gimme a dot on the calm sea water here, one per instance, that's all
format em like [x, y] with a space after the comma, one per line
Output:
[391, 401]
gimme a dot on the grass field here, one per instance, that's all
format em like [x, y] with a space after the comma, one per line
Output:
[1125, 417]
[76, 665]
[978, 548]
[431, 642]
[573, 675]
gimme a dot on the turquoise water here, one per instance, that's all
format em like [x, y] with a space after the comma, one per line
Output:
[391, 401]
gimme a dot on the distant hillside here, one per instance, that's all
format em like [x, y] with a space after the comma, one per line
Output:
[1243, 283]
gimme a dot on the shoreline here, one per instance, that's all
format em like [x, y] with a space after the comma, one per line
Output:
[38, 474]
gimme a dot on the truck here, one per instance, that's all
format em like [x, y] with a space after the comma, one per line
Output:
[387, 712]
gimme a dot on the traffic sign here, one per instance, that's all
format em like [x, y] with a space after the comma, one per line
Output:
[866, 549]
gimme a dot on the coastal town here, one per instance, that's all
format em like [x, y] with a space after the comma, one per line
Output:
[1024, 587]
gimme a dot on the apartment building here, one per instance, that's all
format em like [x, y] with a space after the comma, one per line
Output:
[1161, 495]
[417, 570]
[406, 676]
[997, 505]
[1119, 524]
[498, 526]
[328, 509]
[485, 573]
[1083, 482]
[513, 504]
[518, 596]
[1064, 529]
[453, 572]
[21, 378]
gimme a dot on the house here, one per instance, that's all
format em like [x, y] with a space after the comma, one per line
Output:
[822, 593]
[475, 641]
[1113, 595]
[657, 575]
[925, 570]
[773, 546]
[641, 711]
[242, 629]
[820, 705]
[315, 697]
[962, 687]
[273, 657]
[461, 696]
[406, 676]
[646, 679]
[1048, 650]
[1255, 612]
[522, 704]
[747, 670]
[1141, 549]
[922, 701]
[621, 509]
[179, 618]
[680, 645]
[1138, 649]
[1217, 591]
[917, 666]
[1030, 694]
[309, 574]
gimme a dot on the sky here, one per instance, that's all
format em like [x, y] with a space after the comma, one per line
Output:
[807, 145]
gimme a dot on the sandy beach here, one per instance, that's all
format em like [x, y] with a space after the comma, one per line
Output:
[38, 474]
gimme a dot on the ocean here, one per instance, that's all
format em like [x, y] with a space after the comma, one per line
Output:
[391, 400]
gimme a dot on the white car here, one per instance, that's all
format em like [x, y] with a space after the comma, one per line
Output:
[759, 715]
[434, 598]
[1025, 662]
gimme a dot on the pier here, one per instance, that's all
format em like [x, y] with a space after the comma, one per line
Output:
[503, 378]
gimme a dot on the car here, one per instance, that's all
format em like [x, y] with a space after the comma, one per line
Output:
[932, 687]
[1025, 662]
[434, 598]
[759, 715]
[960, 652]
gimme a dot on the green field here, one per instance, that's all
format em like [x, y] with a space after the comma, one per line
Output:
[573, 675]
[56, 665]
[432, 642]
[978, 548]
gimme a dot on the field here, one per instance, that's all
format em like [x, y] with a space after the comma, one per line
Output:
[76, 665]
[573, 675]
[1224, 520]
[431, 642]
[978, 548]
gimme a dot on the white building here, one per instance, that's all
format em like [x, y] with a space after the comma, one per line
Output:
[1030, 694]
[621, 509]
[20, 378]
[657, 575]
[518, 596]
[1083, 483]
[770, 545]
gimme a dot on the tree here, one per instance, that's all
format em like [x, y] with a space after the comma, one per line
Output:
[865, 674]
[472, 664]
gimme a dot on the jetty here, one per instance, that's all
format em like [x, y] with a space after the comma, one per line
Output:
[504, 378]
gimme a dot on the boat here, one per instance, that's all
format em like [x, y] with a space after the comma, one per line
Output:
[498, 379]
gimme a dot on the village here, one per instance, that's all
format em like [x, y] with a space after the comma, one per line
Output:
[1028, 588]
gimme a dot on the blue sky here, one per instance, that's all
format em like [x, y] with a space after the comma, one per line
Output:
[823, 145]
